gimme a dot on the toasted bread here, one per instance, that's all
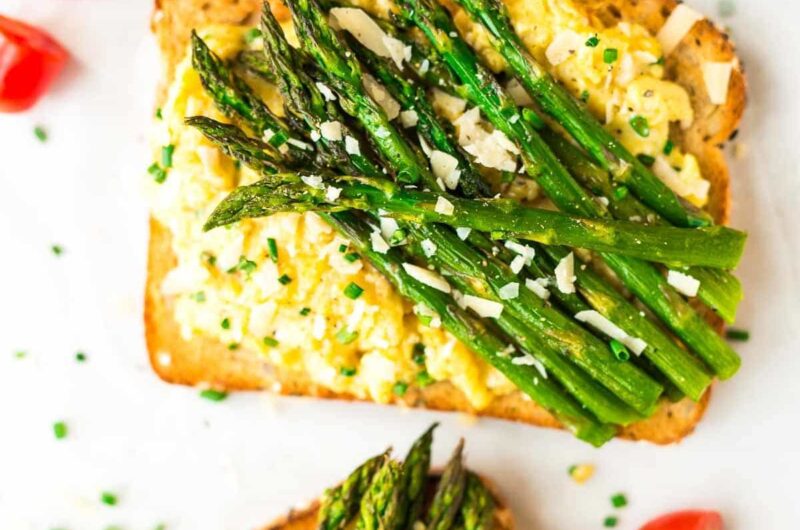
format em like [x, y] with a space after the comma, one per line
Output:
[305, 517]
[202, 361]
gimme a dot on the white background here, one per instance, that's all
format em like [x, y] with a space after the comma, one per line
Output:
[172, 457]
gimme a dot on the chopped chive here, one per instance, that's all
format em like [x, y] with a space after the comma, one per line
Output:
[400, 388]
[351, 258]
[211, 259]
[233, 346]
[610, 521]
[158, 114]
[619, 500]
[668, 147]
[424, 379]
[161, 526]
[285, 279]
[610, 55]
[108, 498]
[166, 155]
[661, 60]
[647, 160]
[245, 265]
[593, 41]
[40, 133]
[585, 96]
[20, 354]
[571, 469]
[251, 35]
[398, 236]
[346, 336]
[737, 334]
[271, 341]
[620, 192]
[640, 125]
[619, 349]
[158, 174]
[353, 291]
[342, 248]
[272, 245]
[80, 357]
[347, 371]
[60, 430]
[199, 296]
[226, 323]
[418, 354]
[57, 249]
[213, 395]
[305, 311]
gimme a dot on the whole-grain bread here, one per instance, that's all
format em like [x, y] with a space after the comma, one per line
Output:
[202, 361]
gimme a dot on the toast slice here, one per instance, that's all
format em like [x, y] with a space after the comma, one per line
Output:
[206, 362]
[305, 517]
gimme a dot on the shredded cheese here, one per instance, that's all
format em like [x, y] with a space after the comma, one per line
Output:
[427, 277]
[679, 23]
[717, 77]
[606, 327]
[684, 283]
[443, 206]
[445, 167]
[565, 274]
[483, 307]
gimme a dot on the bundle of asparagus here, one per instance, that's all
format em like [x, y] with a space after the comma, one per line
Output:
[566, 338]
[385, 493]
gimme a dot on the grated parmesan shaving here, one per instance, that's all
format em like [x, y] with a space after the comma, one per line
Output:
[443, 206]
[429, 278]
[606, 327]
[717, 77]
[679, 23]
[565, 274]
[684, 283]
[483, 308]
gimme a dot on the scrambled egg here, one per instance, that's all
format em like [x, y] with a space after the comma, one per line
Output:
[291, 307]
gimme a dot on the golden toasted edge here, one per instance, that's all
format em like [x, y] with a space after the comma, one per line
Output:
[305, 518]
[204, 362]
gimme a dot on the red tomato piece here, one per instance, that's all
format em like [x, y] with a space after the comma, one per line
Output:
[30, 60]
[686, 520]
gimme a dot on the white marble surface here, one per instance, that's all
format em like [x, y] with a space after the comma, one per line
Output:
[192, 464]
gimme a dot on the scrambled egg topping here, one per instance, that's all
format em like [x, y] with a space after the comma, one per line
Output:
[291, 307]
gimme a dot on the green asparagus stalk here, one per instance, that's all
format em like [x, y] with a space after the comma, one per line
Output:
[714, 246]
[415, 475]
[584, 128]
[449, 494]
[480, 87]
[477, 510]
[380, 506]
[340, 505]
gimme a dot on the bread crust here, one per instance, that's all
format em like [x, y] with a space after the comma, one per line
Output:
[205, 362]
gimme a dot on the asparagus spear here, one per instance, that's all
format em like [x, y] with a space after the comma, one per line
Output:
[715, 246]
[449, 494]
[480, 87]
[415, 475]
[340, 505]
[477, 510]
[584, 128]
[381, 502]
